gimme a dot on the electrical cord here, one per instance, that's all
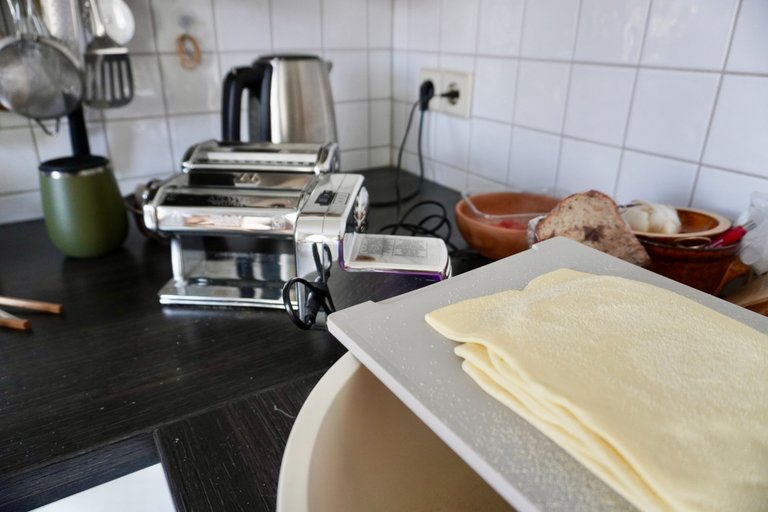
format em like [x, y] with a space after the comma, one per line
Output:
[439, 221]
[426, 93]
[318, 297]
[398, 199]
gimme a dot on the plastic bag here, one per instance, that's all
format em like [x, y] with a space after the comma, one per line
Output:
[754, 245]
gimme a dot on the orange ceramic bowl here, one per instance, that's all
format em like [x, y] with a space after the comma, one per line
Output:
[497, 225]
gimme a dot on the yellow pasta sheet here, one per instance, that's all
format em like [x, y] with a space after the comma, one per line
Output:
[664, 399]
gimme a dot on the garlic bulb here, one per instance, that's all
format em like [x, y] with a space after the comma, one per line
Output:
[652, 218]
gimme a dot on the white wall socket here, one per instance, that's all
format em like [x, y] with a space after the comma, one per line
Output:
[447, 80]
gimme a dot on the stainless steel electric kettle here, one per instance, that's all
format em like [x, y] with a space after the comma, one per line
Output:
[290, 100]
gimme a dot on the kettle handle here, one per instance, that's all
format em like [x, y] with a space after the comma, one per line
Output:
[237, 80]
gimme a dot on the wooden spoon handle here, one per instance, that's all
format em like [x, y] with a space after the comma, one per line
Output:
[15, 323]
[34, 305]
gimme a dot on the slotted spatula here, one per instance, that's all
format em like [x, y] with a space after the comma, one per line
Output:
[108, 75]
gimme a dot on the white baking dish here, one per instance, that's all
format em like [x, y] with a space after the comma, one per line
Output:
[356, 447]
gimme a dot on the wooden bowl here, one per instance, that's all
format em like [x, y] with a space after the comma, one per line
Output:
[698, 267]
[693, 222]
[500, 228]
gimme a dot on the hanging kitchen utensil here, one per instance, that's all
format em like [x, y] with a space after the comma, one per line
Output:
[118, 20]
[39, 77]
[62, 18]
[109, 79]
[187, 47]
[188, 50]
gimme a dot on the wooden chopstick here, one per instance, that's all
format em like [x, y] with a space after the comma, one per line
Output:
[13, 322]
[33, 305]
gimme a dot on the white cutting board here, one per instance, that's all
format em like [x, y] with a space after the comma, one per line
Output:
[418, 365]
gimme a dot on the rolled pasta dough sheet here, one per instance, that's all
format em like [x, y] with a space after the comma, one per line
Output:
[664, 399]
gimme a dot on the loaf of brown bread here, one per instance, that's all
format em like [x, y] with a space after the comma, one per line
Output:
[593, 219]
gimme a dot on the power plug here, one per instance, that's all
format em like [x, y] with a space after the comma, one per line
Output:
[426, 93]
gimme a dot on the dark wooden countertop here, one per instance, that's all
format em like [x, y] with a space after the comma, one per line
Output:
[119, 380]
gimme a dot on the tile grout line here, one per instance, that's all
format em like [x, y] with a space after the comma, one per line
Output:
[561, 139]
[35, 145]
[270, 7]
[720, 81]
[166, 110]
[515, 99]
[322, 27]
[474, 74]
[215, 27]
[522, 58]
[432, 121]
[635, 80]
[391, 74]
[368, 75]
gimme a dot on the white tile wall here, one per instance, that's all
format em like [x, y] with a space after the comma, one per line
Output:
[187, 130]
[586, 165]
[349, 76]
[380, 123]
[671, 111]
[750, 39]
[242, 24]
[352, 124]
[655, 179]
[662, 100]
[458, 24]
[190, 91]
[689, 33]
[611, 31]
[739, 132]
[19, 167]
[345, 24]
[452, 141]
[140, 148]
[379, 74]
[295, 24]
[380, 24]
[657, 100]
[725, 191]
[533, 159]
[423, 25]
[541, 93]
[549, 28]
[500, 27]
[8, 120]
[494, 88]
[598, 105]
[489, 149]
